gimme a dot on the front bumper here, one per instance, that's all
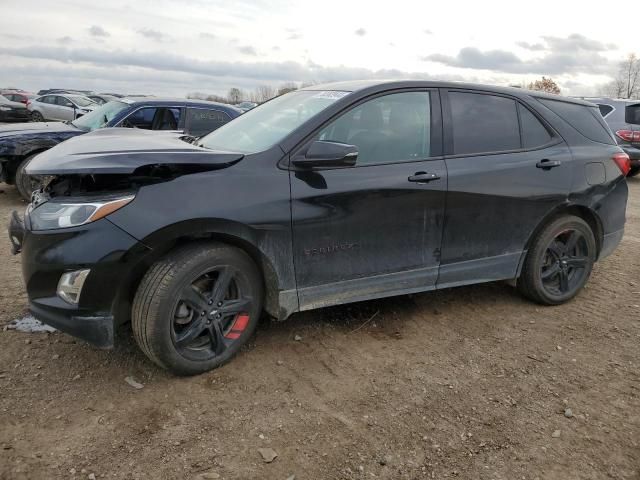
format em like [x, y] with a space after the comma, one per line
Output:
[111, 254]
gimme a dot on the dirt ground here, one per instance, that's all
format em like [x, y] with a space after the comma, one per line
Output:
[469, 383]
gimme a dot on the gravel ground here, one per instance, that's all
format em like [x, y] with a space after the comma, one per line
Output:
[472, 383]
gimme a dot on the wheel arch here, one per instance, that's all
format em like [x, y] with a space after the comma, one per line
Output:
[582, 211]
[169, 238]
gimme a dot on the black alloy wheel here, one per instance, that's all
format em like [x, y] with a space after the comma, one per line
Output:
[211, 313]
[559, 261]
[197, 306]
[565, 263]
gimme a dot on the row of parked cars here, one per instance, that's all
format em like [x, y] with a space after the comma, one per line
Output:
[326, 195]
[63, 116]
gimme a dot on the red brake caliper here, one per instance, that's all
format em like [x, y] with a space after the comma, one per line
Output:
[239, 324]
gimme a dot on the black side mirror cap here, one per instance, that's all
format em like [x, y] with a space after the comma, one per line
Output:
[323, 154]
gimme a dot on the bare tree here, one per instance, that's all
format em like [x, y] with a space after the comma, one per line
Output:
[235, 95]
[545, 85]
[263, 93]
[287, 87]
[627, 81]
[216, 98]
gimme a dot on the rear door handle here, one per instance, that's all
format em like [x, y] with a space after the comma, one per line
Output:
[547, 164]
[423, 177]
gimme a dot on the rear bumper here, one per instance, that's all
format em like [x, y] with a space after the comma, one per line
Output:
[634, 154]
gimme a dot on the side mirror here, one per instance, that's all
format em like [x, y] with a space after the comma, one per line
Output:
[328, 154]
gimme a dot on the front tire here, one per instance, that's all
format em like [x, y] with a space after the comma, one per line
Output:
[36, 117]
[196, 307]
[26, 184]
[559, 261]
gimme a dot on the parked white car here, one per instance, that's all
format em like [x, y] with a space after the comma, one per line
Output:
[60, 107]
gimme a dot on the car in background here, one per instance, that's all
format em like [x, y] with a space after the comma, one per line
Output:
[246, 106]
[64, 90]
[19, 143]
[63, 107]
[102, 98]
[11, 111]
[18, 96]
[623, 117]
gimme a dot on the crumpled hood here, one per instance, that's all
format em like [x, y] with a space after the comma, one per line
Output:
[35, 128]
[122, 151]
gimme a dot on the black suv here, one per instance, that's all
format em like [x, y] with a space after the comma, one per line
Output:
[326, 195]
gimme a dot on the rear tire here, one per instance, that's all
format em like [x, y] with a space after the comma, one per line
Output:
[196, 307]
[26, 184]
[559, 261]
[37, 117]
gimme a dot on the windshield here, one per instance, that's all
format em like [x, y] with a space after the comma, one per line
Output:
[267, 124]
[100, 116]
[81, 101]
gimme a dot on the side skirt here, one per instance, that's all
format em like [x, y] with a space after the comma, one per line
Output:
[501, 267]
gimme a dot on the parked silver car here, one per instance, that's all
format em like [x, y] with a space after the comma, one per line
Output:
[60, 107]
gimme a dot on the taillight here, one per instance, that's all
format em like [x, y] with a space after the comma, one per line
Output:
[28, 102]
[629, 135]
[623, 161]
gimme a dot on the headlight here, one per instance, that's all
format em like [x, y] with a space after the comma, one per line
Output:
[4, 108]
[63, 214]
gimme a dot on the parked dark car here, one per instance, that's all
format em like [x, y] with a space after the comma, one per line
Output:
[11, 111]
[326, 195]
[17, 96]
[19, 143]
[623, 117]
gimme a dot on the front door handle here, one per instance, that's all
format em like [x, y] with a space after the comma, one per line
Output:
[547, 164]
[423, 177]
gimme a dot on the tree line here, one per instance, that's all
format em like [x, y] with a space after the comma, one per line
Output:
[260, 94]
[626, 84]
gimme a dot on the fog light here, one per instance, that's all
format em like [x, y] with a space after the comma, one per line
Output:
[70, 285]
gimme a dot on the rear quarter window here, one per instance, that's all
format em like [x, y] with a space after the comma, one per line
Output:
[582, 118]
[605, 109]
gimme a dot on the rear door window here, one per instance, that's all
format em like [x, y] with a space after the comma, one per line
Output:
[586, 120]
[201, 121]
[534, 133]
[483, 123]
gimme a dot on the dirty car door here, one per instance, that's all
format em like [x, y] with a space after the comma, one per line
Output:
[507, 170]
[373, 229]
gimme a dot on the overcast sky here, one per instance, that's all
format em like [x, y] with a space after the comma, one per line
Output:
[175, 47]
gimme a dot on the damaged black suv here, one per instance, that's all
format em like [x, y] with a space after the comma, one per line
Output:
[326, 195]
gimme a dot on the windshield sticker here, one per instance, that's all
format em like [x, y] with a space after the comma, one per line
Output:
[333, 94]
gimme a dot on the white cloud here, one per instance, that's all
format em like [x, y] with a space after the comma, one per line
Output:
[173, 47]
